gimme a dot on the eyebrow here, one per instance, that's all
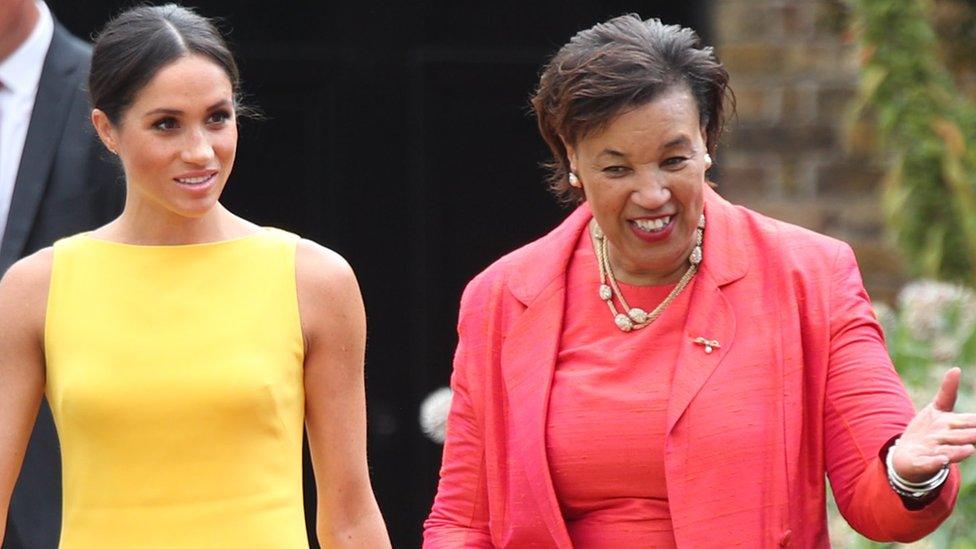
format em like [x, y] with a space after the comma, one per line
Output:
[176, 112]
[680, 141]
[611, 152]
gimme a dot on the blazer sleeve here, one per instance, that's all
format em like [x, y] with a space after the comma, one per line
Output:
[866, 406]
[459, 517]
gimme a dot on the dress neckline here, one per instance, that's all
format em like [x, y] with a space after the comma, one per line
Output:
[195, 245]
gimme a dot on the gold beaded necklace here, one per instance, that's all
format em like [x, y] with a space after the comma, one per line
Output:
[637, 318]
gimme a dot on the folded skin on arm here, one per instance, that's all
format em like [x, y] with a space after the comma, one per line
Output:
[334, 325]
[23, 298]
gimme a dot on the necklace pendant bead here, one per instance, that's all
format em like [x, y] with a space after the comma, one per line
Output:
[623, 322]
[638, 315]
[605, 292]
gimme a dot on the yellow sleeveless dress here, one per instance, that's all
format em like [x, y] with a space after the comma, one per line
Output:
[175, 375]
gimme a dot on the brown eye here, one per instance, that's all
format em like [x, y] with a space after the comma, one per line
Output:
[219, 117]
[615, 171]
[165, 124]
[675, 161]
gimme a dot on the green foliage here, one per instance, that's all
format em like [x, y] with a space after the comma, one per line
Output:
[928, 128]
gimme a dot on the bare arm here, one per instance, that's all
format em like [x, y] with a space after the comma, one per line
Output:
[334, 324]
[23, 299]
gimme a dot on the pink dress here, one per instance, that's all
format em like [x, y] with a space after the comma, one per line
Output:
[606, 418]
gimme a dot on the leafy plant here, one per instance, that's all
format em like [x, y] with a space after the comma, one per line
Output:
[927, 132]
[928, 128]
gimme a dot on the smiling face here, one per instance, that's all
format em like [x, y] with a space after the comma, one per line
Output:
[177, 140]
[643, 176]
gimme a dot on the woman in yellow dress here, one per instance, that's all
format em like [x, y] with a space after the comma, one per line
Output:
[183, 349]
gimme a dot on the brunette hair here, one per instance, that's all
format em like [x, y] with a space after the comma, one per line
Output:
[137, 43]
[616, 66]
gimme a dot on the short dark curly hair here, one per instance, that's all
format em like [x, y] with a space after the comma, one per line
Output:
[615, 66]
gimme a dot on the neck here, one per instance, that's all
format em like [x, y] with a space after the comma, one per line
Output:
[18, 27]
[638, 277]
[631, 274]
[628, 273]
[145, 226]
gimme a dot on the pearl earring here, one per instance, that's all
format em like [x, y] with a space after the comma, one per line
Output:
[574, 180]
[708, 159]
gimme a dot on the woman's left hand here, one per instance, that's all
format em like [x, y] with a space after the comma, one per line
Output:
[936, 436]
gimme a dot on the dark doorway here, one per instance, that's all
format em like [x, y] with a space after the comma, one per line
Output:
[398, 134]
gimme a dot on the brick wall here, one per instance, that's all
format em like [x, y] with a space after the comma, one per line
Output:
[791, 153]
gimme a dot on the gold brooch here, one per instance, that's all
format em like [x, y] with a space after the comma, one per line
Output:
[709, 344]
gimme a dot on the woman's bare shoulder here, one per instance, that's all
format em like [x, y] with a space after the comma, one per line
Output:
[329, 301]
[32, 273]
[24, 287]
[319, 267]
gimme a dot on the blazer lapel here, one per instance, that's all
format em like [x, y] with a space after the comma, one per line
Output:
[528, 359]
[711, 315]
[54, 96]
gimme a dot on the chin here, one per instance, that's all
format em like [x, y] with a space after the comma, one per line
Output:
[195, 211]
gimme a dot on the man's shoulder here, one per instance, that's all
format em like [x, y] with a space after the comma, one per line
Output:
[68, 49]
[76, 44]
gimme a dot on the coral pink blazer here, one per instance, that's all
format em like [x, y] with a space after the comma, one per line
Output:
[801, 386]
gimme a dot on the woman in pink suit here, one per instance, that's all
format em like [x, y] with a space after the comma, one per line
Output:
[666, 369]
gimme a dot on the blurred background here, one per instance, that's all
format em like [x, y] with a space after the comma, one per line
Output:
[398, 134]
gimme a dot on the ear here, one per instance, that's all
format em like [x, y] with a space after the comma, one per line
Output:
[571, 156]
[708, 157]
[105, 129]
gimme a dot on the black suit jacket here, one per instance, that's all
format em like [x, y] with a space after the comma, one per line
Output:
[66, 183]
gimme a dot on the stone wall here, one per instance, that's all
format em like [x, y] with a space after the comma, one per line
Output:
[792, 152]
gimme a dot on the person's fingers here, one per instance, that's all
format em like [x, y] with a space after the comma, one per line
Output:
[961, 421]
[945, 399]
[955, 437]
[963, 452]
[953, 454]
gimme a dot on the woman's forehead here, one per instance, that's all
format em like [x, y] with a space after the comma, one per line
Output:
[192, 81]
[668, 120]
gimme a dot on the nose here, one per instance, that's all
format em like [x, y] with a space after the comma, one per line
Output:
[198, 150]
[651, 192]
